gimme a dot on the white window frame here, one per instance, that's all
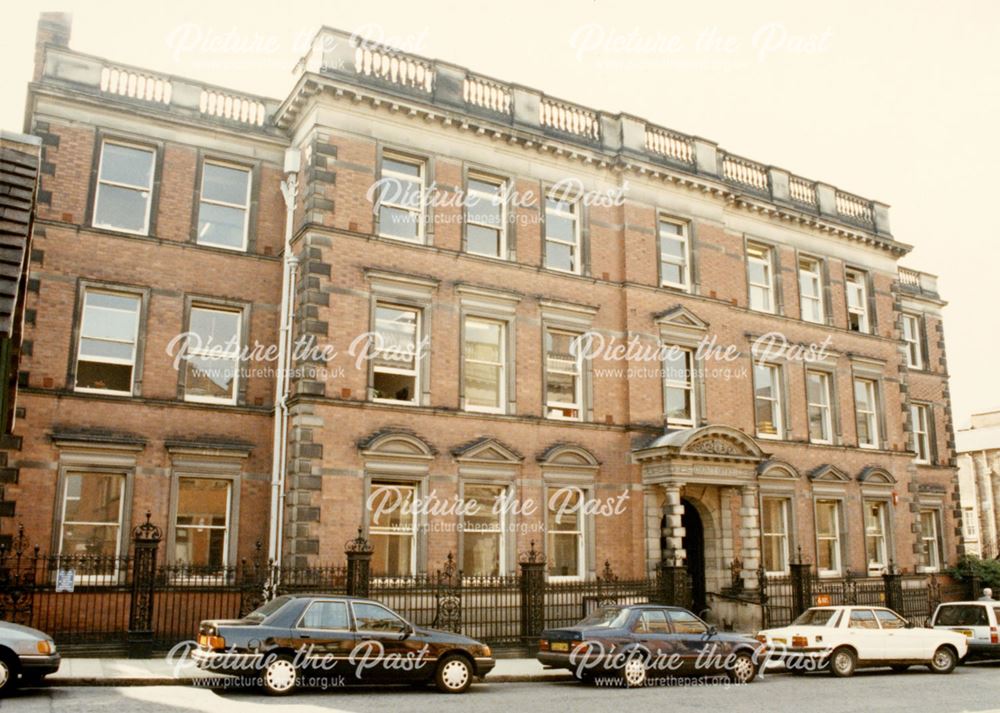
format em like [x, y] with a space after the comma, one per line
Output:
[245, 207]
[813, 277]
[415, 371]
[411, 532]
[776, 399]
[767, 262]
[63, 522]
[825, 409]
[881, 536]
[501, 185]
[665, 258]
[912, 338]
[502, 406]
[138, 189]
[580, 533]
[835, 537]
[687, 385]
[859, 288]
[872, 395]
[420, 212]
[934, 539]
[501, 527]
[782, 536]
[225, 528]
[920, 415]
[576, 246]
[108, 360]
[211, 353]
[554, 409]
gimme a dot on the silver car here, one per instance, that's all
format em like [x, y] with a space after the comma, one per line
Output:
[26, 656]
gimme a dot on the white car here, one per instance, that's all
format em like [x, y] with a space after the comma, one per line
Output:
[978, 622]
[846, 638]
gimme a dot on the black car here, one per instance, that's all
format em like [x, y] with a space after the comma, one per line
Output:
[641, 644]
[318, 639]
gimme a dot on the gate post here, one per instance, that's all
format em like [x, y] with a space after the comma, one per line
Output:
[801, 586]
[893, 582]
[145, 540]
[673, 585]
[532, 565]
[359, 565]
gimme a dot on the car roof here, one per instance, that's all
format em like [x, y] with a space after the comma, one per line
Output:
[328, 595]
[981, 602]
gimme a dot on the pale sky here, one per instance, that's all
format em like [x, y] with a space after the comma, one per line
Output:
[895, 101]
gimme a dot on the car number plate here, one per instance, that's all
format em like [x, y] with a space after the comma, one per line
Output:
[780, 641]
[560, 646]
[967, 632]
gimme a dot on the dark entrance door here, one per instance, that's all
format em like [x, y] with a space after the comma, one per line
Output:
[694, 545]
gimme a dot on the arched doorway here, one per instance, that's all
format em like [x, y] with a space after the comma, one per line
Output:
[694, 545]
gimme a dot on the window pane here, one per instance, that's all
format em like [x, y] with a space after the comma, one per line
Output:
[371, 617]
[674, 274]
[677, 365]
[559, 256]
[482, 340]
[210, 378]
[396, 341]
[678, 403]
[396, 166]
[482, 385]
[398, 223]
[481, 553]
[672, 247]
[126, 164]
[398, 387]
[391, 507]
[560, 228]
[122, 208]
[102, 323]
[482, 241]
[221, 225]
[485, 209]
[391, 555]
[200, 547]
[560, 388]
[216, 329]
[202, 501]
[827, 554]
[90, 540]
[93, 497]
[826, 514]
[326, 615]
[564, 559]
[101, 350]
[98, 375]
[225, 184]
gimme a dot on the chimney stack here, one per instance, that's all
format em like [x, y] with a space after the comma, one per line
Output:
[54, 29]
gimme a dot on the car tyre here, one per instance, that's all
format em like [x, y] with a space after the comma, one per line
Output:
[944, 660]
[279, 677]
[843, 662]
[453, 674]
[8, 673]
[634, 672]
[743, 669]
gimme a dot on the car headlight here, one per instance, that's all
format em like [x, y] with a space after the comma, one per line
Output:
[487, 651]
[45, 647]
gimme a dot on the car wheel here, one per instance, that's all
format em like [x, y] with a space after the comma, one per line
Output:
[843, 662]
[944, 660]
[634, 672]
[454, 674]
[900, 667]
[743, 669]
[279, 676]
[8, 674]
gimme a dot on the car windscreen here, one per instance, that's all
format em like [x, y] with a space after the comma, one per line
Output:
[262, 612]
[961, 615]
[607, 617]
[816, 617]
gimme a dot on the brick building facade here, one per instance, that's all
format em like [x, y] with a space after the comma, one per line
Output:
[161, 212]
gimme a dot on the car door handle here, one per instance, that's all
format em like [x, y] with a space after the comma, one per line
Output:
[304, 636]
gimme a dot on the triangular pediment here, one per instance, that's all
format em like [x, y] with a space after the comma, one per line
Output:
[680, 316]
[487, 449]
[829, 473]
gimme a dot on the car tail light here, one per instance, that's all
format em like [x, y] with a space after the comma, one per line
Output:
[800, 641]
[211, 642]
[574, 645]
[543, 645]
[994, 639]
[761, 638]
[44, 647]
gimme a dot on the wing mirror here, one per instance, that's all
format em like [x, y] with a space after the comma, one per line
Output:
[909, 625]
[408, 631]
[712, 631]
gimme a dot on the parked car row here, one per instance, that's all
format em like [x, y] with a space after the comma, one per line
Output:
[297, 639]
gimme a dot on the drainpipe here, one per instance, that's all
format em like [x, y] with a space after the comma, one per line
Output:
[289, 190]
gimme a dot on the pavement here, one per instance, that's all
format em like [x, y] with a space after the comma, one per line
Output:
[162, 672]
